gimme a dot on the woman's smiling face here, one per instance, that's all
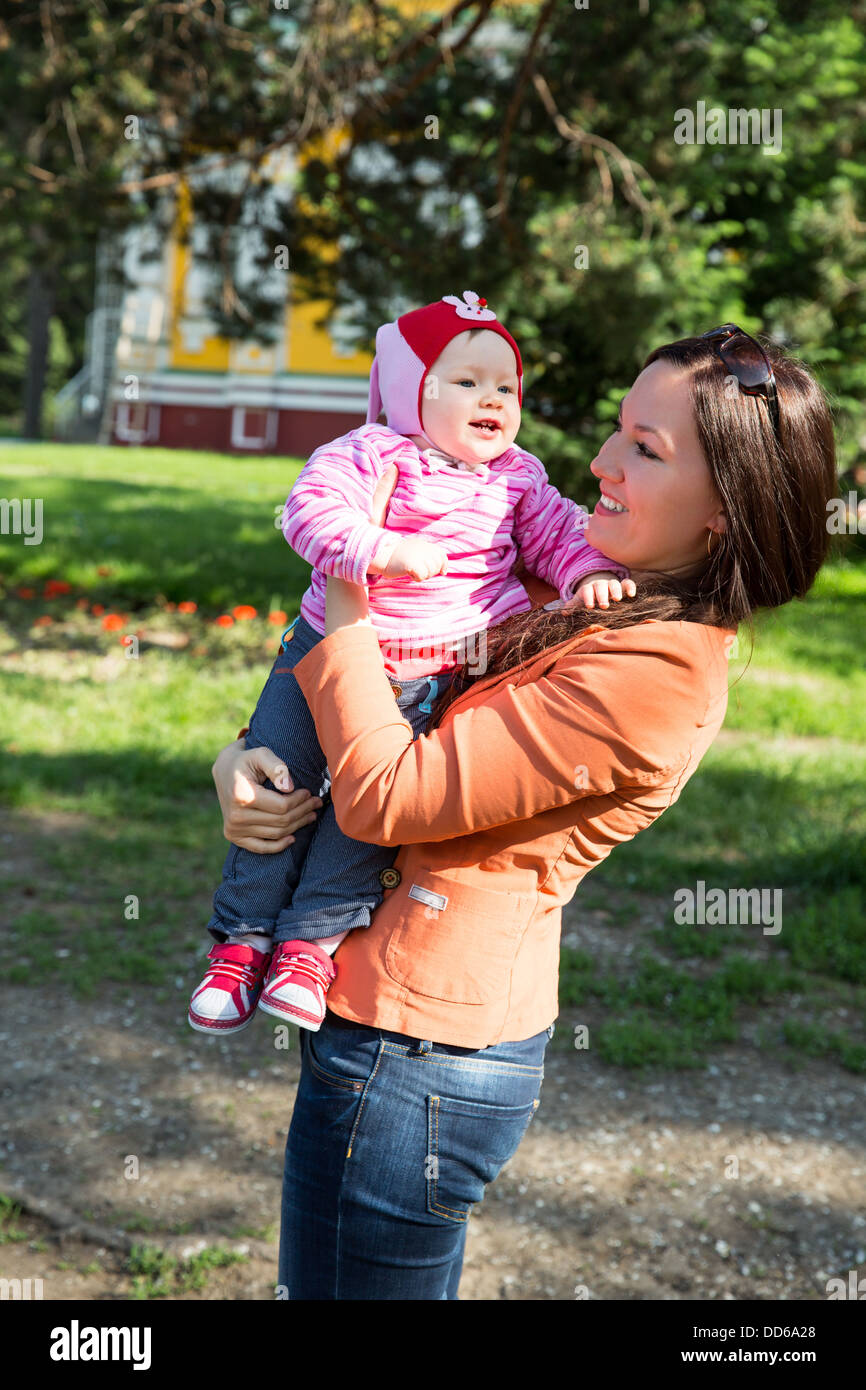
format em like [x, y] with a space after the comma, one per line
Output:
[654, 467]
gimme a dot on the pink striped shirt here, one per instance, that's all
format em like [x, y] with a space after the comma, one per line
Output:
[484, 516]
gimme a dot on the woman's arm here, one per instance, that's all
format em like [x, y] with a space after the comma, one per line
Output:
[346, 606]
[617, 712]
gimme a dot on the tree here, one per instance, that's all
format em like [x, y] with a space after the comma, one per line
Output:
[109, 105]
[545, 167]
[527, 151]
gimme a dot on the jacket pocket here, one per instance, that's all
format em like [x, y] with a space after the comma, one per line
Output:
[455, 941]
[468, 1142]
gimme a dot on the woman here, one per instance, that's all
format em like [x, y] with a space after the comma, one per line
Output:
[584, 727]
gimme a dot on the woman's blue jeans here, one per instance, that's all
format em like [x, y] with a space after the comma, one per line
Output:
[392, 1141]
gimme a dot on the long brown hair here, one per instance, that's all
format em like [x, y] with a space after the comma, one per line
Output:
[774, 494]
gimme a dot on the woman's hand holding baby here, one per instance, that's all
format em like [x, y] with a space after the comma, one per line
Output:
[253, 816]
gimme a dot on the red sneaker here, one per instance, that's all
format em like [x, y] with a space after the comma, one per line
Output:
[226, 999]
[297, 982]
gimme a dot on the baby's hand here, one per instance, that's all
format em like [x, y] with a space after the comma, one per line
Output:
[416, 557]
[597, 590]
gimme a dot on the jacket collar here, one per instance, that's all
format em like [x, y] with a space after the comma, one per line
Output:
[437, 461]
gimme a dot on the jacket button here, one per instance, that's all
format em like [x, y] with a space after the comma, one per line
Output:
[389, 878]
[398, 691]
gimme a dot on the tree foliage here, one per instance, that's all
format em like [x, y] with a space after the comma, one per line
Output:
[526, 151]
[555, 187]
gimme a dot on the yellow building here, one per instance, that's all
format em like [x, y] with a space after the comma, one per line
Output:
[176, 382]
[156, 369]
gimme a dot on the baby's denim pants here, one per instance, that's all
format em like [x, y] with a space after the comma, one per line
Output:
[324, 882]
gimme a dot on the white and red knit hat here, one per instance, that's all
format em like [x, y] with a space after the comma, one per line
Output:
[407, 348]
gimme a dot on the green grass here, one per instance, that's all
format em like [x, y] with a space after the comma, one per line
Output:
[106, 761]
[818, 1041]
[119, 761]
[9, 1214]
[186, 525]
[159, 1275]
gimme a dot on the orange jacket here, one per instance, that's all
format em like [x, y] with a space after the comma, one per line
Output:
[530, 781]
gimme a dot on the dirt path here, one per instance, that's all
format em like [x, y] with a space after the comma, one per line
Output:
[744, 1181]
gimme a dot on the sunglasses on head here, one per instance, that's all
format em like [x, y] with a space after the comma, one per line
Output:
[746, 360]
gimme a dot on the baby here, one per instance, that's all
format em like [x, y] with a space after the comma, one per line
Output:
[466, 504]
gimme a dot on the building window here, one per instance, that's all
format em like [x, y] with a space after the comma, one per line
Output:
[136, 422]
[253, 429]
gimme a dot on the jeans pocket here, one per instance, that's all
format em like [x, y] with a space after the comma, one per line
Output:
[346, 1064]
[340, 1083]
[468, 1142]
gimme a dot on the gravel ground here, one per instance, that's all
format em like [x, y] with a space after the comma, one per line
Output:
[746, 1180]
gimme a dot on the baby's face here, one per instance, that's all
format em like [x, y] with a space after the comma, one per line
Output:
[472, 380]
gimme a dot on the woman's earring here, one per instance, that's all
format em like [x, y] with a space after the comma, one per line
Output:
[711, 532]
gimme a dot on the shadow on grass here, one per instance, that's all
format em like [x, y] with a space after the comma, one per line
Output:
[142, 783]
[737, 826]
[169, 541]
